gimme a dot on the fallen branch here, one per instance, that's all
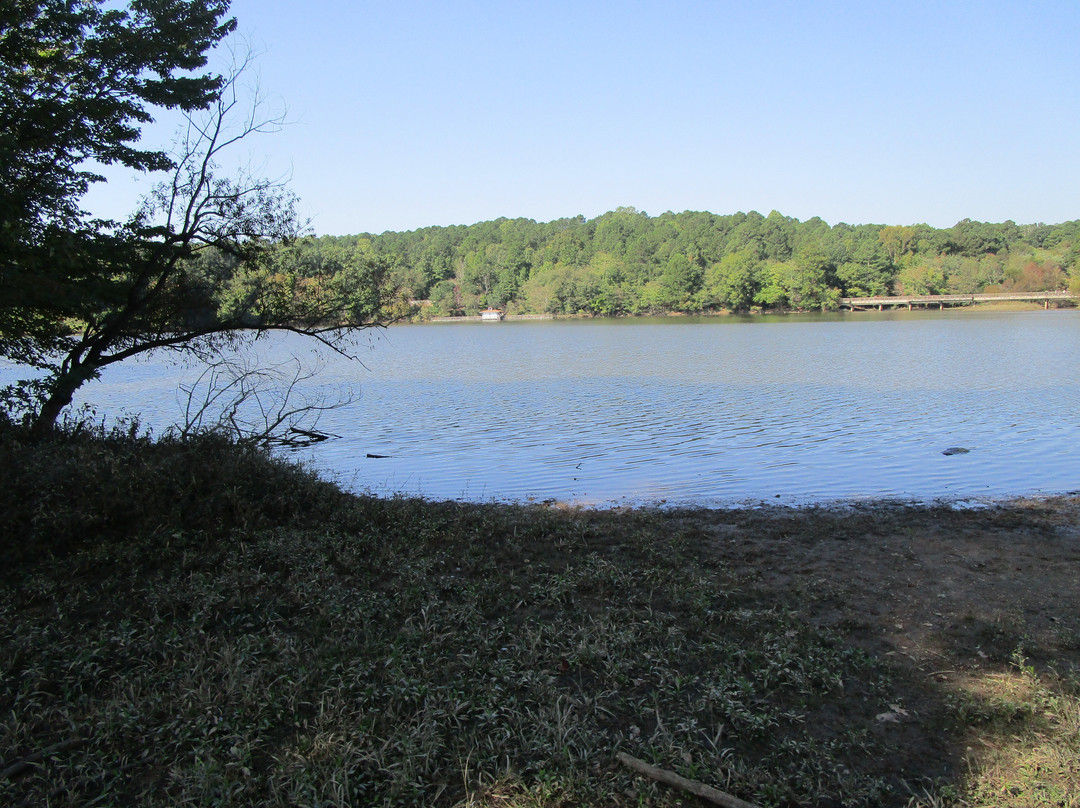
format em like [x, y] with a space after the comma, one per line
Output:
[20, 766]
[692, 786]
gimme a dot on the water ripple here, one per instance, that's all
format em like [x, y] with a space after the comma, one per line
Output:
[704, 412]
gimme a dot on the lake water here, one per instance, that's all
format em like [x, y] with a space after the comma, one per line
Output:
[711, 411]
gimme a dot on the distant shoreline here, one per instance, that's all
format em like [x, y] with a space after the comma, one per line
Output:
[979, 305]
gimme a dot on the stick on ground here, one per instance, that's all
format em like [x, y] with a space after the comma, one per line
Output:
[692, 786]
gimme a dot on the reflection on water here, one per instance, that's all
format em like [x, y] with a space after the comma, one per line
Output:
[700, 411]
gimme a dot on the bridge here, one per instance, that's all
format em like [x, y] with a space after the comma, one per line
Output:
[941, 301]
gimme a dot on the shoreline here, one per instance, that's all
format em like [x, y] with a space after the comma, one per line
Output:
[777, 502]
[753, 313]
[242, 626]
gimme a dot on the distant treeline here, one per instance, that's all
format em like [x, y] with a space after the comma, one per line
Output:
[627, 262]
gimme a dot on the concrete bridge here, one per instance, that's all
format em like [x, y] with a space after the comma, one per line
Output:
[941, 301]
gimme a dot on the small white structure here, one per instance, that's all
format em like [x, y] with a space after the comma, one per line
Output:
[491, 314]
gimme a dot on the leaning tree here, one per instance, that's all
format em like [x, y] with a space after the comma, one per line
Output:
[189, 270]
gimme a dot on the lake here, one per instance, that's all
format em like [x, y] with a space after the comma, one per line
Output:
[714, 411]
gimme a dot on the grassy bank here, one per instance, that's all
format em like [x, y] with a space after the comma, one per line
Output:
[195, 623]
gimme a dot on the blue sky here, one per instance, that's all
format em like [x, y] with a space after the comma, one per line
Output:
[408, 114]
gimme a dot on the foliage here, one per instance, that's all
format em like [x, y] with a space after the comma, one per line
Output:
[627, 262]
[204, 262]
[87, 484]
[266, 636]
[77, 80]
[734, 281]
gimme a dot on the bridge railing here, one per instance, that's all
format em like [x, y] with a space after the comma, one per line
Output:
[914, 300]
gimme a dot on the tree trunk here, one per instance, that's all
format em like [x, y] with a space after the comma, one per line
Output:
[60, 396]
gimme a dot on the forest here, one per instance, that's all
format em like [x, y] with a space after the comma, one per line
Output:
[626, 262]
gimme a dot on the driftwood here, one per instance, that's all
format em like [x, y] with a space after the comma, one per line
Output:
[306, 437]
[692, 786]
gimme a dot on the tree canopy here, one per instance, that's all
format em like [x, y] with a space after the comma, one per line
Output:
[77, 81]
[627, 262]
[199, 262]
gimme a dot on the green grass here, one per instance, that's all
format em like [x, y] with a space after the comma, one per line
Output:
[1023, 730]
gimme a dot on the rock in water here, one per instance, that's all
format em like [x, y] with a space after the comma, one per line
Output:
[956, 450]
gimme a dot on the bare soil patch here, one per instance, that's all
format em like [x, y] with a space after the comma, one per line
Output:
[946, 595]
[926, 584]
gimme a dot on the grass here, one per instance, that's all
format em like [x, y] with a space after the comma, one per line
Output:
[193, 623]
[1024, 734]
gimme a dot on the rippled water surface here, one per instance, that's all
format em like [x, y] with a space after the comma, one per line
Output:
[709, 411]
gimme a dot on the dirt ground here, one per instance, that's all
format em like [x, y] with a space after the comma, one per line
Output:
[925, 583]
[947, 594]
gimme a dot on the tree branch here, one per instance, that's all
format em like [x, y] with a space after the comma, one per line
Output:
[709, 793]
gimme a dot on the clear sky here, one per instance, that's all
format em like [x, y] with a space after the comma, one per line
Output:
[414, 113]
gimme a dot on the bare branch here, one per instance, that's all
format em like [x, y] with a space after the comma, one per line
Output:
[255, 403]
[155, 295]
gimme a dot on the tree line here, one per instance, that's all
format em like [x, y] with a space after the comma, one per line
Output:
[627, 262]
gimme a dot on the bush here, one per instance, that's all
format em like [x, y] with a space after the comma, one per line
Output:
[89, 484]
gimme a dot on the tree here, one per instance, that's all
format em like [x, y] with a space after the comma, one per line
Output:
[78, 294]
[75, 84]
[898, 241]
[804, 282]
[734, 281]
[977, 238]
[922, 277]
[679, 280]
[868, 273]
[446, 299]
[776, 234]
